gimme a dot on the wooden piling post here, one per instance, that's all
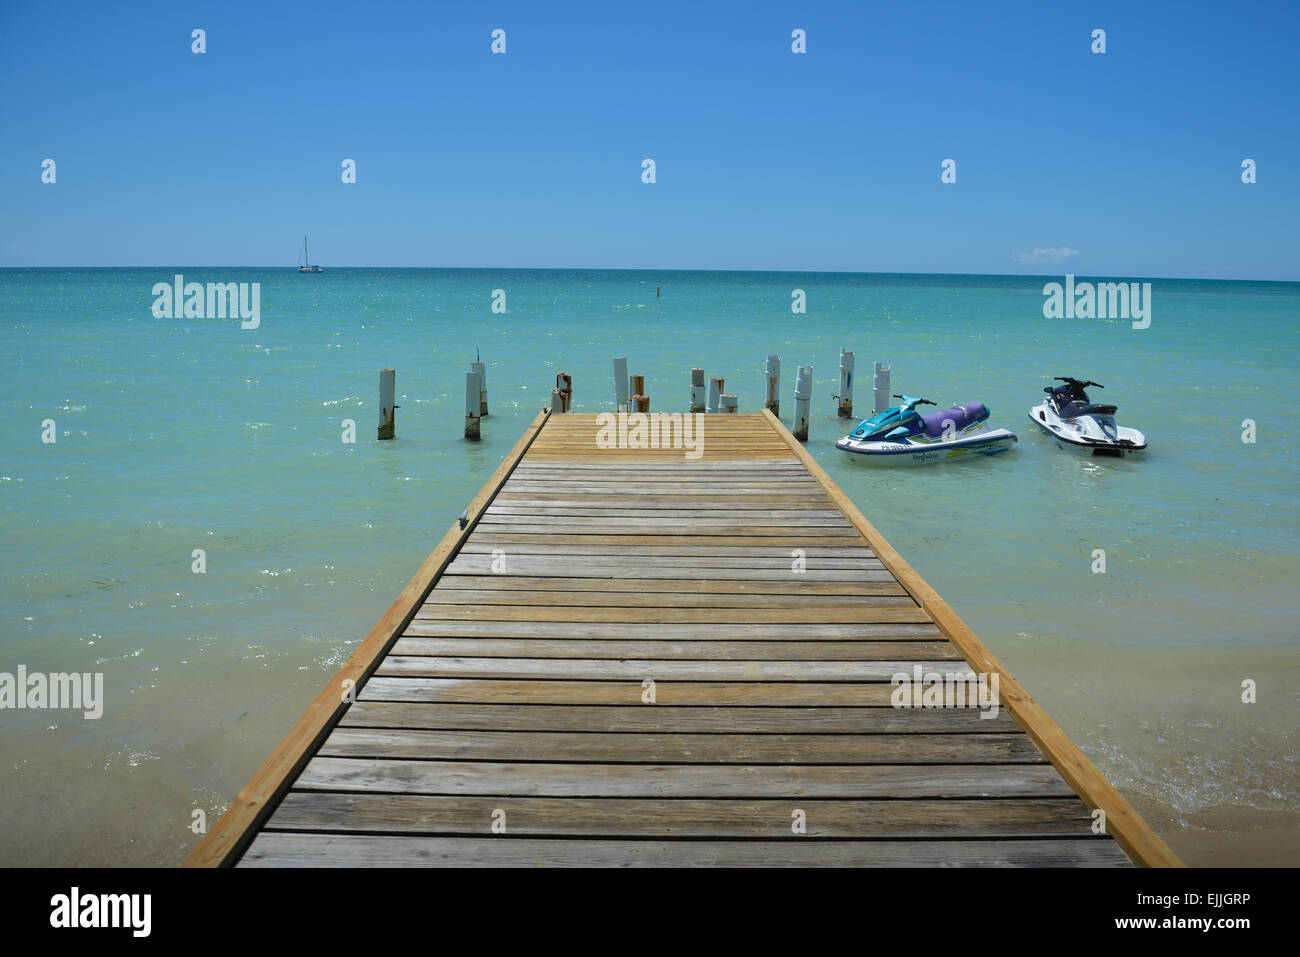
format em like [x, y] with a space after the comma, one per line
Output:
[774, 384]
[478, 367]
[557, 400]
[846, 385]
[640, 401]
[564, 382]
[473, 391]
[620, 384]
[697, 390]
[715, 391]
[387, 417]
[728, 403]
[881, 388]
[802, 394]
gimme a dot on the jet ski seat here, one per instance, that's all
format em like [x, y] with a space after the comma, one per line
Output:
[961, 416]
[1089, 409]
[1077, 407]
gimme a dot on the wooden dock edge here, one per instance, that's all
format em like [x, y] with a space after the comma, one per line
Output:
[225, 843]
[1123, 823]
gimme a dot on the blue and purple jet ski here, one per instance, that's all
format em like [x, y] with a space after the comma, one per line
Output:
[903, 436]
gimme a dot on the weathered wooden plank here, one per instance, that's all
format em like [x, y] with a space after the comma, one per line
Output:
[610, 567]
[891, 631]
[686, 528]
[787, 565]
[789, 461]
[720, 501]
[649, 479]
[613, 612]
[500, 536]
[666, 466]
[584, 440]
[737, 490]
[574, 450]
[285, 849]
[723, 521]
[682, 817]
[669, 514]
[653, 481]
[574, 455]
[679, 748]
[928, 651]
[558, 691]
[685, 780]
[579, 447]
[540, 546]
[787, 464]
[656, 669]
[667, 494]
[656, 599]
[813, 719]
[584, 446]
[796, 586]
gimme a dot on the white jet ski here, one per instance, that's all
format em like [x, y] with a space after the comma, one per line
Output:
[1076, 423]
[902, 436]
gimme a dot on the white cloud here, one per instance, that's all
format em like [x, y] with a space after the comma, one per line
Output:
[1049, 255]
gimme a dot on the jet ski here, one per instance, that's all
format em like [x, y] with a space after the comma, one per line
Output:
[1076, 423]
[903, 436]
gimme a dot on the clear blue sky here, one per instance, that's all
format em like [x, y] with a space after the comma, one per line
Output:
[765, 159]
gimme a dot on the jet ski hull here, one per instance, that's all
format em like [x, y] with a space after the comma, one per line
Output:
[914, 451]
[1126, 444]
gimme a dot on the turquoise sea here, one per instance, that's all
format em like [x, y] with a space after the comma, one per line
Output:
[183, 434]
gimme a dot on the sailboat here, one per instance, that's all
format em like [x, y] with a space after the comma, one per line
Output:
[306, 265]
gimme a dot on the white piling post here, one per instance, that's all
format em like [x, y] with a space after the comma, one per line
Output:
[697, 390]
[477, 367]
[774, 385]
[802, 394]
[727, 403]
[557, 400]
[846, 384]
[620, 384]
[473, 391]
[387, 418]
[881, 389]
[715, 390]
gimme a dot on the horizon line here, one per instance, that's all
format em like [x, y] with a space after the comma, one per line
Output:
[721, 269]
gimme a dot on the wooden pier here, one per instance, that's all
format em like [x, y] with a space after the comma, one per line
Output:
[618, 660]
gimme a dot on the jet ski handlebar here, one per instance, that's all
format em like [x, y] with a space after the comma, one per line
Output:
[1081, 385]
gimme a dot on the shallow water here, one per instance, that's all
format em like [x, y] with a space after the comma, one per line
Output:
[175, 435]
